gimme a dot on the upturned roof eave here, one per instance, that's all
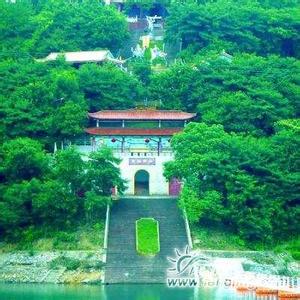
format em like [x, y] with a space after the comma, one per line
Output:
[132, 131]
[186, 116]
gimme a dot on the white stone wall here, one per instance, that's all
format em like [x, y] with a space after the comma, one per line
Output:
[158, 184]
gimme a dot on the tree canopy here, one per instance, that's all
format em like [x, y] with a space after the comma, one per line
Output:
[58, 26]
[238, 26]
[237, 67]
[246, 94]
[244, 182]
[53, 190]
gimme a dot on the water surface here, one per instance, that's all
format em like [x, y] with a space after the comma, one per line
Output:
[114, 292]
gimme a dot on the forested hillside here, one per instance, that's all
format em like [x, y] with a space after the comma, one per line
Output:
[238, 69]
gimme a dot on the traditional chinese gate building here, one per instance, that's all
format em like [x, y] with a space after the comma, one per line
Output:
[141, 139]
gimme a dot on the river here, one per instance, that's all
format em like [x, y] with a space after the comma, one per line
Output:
[114, 292]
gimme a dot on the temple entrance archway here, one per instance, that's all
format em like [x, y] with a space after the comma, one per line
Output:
[141, 183]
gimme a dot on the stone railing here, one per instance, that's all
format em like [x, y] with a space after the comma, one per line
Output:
[133, 152]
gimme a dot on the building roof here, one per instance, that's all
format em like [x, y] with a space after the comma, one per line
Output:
[136, 114]
[81, 56]
[132, 131]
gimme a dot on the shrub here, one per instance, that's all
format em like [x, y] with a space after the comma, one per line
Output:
[67, 262]
[64, 240]
[31, 234]
[72, 263]
[296, 255]
[86, 265]
[63, 236]
[158, 61]
[98, 227]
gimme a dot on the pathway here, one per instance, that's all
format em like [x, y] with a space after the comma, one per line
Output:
[123, 262]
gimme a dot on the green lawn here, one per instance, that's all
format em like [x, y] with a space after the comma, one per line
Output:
[216, 238]
[147, 236]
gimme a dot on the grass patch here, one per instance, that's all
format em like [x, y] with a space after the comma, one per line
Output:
[147, 236]
[70, 264]
[82, 237]
[216, 239]
[221, 238]
[292, 247]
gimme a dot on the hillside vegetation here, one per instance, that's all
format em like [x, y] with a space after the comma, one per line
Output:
[238, 69]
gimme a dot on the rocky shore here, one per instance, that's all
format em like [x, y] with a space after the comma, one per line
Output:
[82, 267]
[264, 262]
[87, 267]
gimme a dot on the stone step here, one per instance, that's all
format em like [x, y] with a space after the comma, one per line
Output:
[174, 240]
[124, 264]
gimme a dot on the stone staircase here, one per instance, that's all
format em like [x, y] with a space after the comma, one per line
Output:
[123, 264]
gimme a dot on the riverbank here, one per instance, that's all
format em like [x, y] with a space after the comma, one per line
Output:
[68, 267]
[87, 267]
[221, 238]
[223, 244]
[87, 237]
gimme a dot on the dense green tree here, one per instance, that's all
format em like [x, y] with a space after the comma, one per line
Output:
[23, 159]
[239, 181]
[240, 167]
[176, 88]
[54, 203]
[246, 94]
[41, 100]
[67, 122]
[22, 118]
[16, 205]
[58, 191]
[23, 72]
[141, 67]
[108, 87]
[239, 113]
[68, 167]
[15, 27]
[77, 25]
[95, 205]
[102, 172]
[41, 27]
[65, 85]
[286, 143]
[279, 3]
[242, 26]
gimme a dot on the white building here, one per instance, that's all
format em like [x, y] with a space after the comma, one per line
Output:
[141, 139]
[79, 57]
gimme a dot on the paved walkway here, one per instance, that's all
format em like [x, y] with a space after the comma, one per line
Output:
[123, 262]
